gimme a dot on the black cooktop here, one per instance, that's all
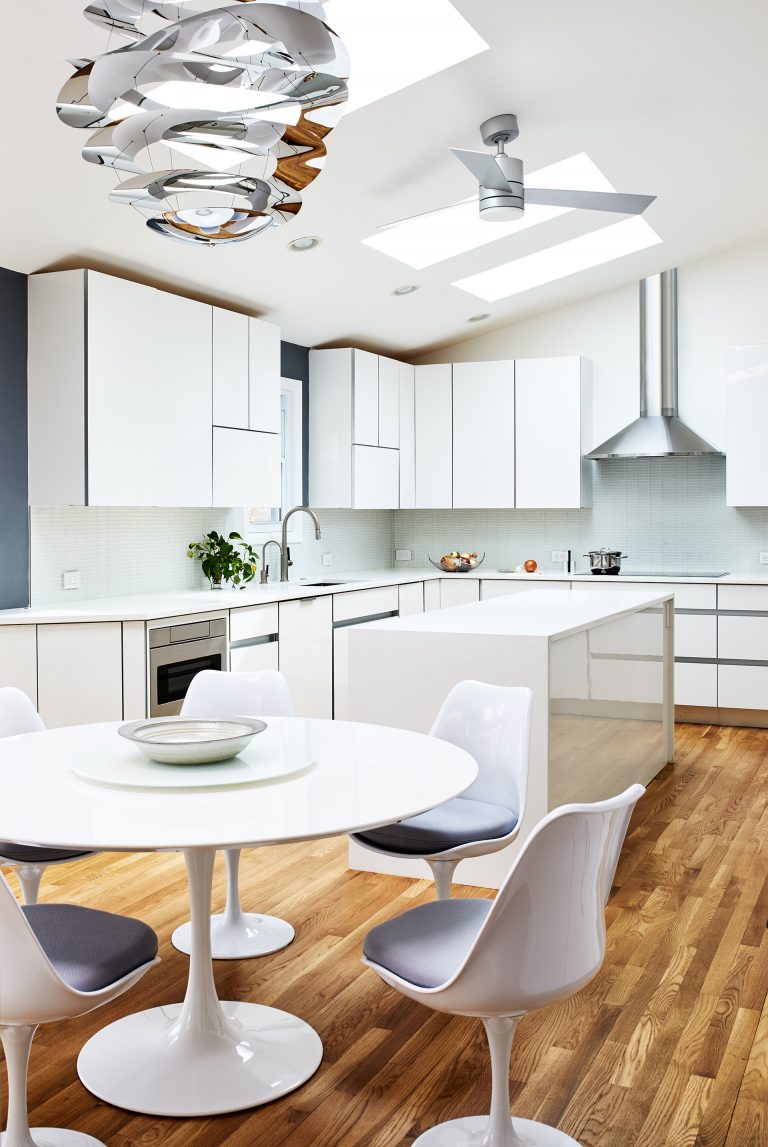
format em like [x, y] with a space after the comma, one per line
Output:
[658, 573]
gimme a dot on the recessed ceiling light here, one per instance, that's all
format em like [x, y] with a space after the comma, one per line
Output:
[305, 243]
[432, 238]
[613, 242]
[407, 289]
[478, 318]
[399, 43]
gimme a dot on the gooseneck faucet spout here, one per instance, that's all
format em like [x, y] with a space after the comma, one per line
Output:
[285, 557]
[264, 567]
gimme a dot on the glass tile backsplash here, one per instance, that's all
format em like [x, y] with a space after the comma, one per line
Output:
[664, 513]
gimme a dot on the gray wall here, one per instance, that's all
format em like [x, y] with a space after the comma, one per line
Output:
[14, 527]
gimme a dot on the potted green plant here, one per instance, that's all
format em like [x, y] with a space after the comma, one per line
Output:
[225, 559]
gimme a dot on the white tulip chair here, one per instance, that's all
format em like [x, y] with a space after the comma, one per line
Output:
[58, 961]
[493, 724]
[238, 935]
[18, 715]
[540, 940]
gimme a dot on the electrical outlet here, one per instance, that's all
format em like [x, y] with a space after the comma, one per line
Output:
[71, 579]
[327, 559]
[403, 555]
[559, 555]
[764, 557]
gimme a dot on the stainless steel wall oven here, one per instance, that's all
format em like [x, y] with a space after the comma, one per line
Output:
[176, 654]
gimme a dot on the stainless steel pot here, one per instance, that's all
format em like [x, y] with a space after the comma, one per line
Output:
[605, 561]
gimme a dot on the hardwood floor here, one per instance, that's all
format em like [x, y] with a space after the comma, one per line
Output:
[667, 1047]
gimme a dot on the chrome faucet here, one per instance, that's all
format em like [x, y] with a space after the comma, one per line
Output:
[264, 578]
[285, 556]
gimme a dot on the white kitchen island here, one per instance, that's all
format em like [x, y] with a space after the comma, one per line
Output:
[601, 669]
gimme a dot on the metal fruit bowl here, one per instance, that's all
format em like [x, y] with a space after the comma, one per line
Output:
[191, 740]
[457, 565]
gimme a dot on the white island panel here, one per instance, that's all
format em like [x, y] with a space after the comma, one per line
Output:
[601, 670]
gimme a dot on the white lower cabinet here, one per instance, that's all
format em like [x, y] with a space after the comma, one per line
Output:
[695, 684]
[253, 633]
[459, 592]
[306, 654]
[18, 658]
[743, 638]
[490, 587]
[742, 686]
[80, 673]
[411, 598]
[431, 595]
[355, 606]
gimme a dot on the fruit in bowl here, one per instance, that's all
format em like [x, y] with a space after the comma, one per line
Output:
[455, 562]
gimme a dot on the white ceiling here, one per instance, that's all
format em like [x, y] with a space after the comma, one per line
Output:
[666, 98]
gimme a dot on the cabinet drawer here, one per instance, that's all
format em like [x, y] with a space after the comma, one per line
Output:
[365, 603]
[250, 658]
[696, 685]
[695, 635]
[411, 598]
[629, 681]
[252, 621]
[742, 686]
[431, 595]
[492, 587]
[459, 592]
[636, 634]
[18, 658]
[751, 597]
[742, 638]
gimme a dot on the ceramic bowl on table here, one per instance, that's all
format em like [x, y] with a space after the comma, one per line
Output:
[191, 740]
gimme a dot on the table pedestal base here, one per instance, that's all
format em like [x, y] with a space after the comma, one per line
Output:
[473, 1132]
[247, 935]
[149, 1063]
[58, 1137]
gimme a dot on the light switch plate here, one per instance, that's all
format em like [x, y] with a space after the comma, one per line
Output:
[403, 555]
[764, 557]
[559, 555]
[71, 579]
[327, 559]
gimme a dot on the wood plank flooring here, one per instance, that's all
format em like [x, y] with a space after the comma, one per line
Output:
[667, 1047]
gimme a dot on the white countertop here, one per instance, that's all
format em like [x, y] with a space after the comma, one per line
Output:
[542, 613]
[149, 607]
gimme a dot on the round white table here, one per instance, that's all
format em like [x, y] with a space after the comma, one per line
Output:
[206, 1057]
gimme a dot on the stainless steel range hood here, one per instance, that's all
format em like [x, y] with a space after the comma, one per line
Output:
[658, 432]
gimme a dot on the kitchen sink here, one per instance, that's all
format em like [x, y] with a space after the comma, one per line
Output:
[318, 584]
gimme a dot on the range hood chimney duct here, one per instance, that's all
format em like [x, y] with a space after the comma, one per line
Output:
[658, 432]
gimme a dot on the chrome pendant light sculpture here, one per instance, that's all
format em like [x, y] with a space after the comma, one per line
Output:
[213, 116]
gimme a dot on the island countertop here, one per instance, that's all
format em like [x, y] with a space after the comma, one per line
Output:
[537, 613]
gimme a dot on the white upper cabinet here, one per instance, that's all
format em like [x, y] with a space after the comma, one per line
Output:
[407, 436]
[125, 386]
[119, 394]
[553, 429]
[483, 434]
[746, 413]
[230, 369]
[246, 468]
[354, 430]
[264, 374]
[434, 436]
[365, 398]
[389, 402]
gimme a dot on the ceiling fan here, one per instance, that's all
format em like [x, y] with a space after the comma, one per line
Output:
[503, 194]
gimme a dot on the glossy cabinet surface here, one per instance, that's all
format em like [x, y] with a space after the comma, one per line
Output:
[746, 414]
[230, 369]
[264, 376]
[483, 434]
[407, 435]
[80, 673]
[553, 426]
[458, 591]
[306, 654]
[246, 468]
[376, 478]
[389, 402]
[18, 658]
[434, 436]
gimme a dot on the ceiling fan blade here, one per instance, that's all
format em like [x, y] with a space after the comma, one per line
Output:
[589, 200]
[418, 215]
[484, 168]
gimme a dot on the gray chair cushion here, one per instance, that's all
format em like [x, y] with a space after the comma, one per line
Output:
[90, 949]
[456, 822]
[29, 854]
[428, 944]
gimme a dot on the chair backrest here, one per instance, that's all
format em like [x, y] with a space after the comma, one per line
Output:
[493, 724]
[544, 937]
[263, 693]
[30, 988]
[17, 713]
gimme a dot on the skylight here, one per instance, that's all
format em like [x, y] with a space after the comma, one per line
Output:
[422, 242]
[564, 259]
[396, 44]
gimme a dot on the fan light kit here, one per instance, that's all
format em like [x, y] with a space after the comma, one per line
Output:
[243, 97]
[503, 194]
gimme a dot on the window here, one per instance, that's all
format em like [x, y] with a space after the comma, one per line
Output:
[266, 521]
